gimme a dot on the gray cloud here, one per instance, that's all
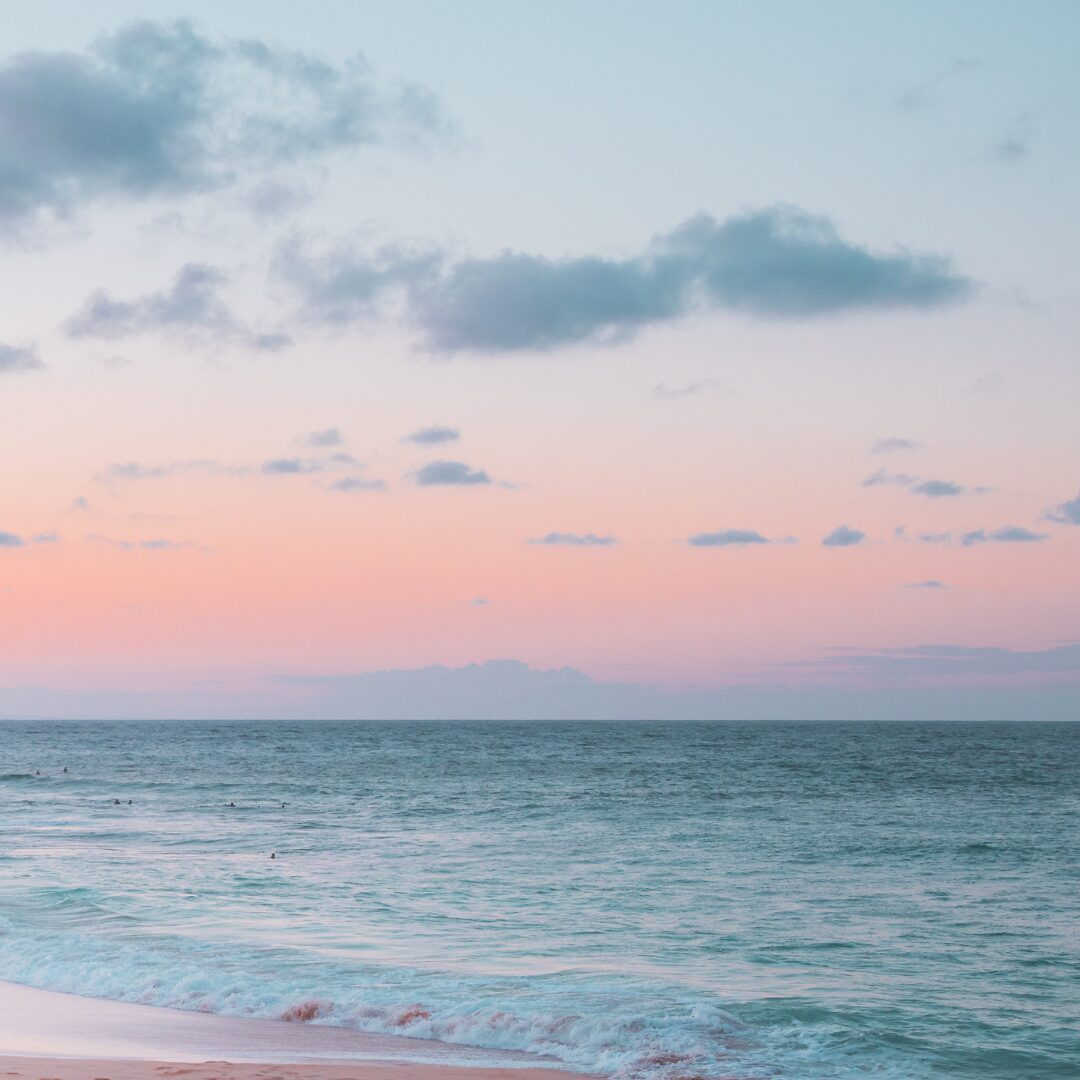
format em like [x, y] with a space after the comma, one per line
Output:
[932, 489]
[1008, 534]
[893, 445]
[727, 538]
[842, 536]
[883, 476]
[1066, 513]
[434, 435]
[191, 309]
[159, 109]
[10, 540]
[357, 483]
[326, 437]
[938, 489]
[19, 358]
[437, 473]
[930, 584]
[936, 537]
[45, 538]
[778, 263]
[563, 539]
[293, 466]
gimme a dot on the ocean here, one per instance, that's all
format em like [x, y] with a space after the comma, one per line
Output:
[651, 900]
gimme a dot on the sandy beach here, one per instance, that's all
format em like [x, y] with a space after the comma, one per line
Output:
[52, 1036]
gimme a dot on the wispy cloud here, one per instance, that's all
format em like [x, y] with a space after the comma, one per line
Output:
[664, 390]
[925, 94]
[777, 263]
[884, 477]
[10, 540]
[191, 309]
[354, 484]
[929, 584]
[843, 536]
[152, 544]
[936, 537]
[931, 489]
[566, 539]
[894, 445]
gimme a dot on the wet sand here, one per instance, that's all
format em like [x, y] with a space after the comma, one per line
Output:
[51, 1036]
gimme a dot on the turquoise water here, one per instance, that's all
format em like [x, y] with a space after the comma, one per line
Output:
[644, 899]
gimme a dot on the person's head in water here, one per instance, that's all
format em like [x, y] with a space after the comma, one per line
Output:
[273, 855]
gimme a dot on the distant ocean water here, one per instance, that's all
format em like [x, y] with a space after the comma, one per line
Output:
[652, 900]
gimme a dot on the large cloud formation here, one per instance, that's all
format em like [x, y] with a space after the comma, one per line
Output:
[777, 263]
[160, 109]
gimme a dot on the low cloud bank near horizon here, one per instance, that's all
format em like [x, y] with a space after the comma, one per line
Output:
[988, 684]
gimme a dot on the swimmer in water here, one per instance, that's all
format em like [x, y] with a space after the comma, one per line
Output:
[233, 805]
[116, 802]
[273, 855]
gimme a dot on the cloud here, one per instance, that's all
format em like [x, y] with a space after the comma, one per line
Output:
[951, 660]
[327, 437]
[1008, 534]
[153, 544]
[777, 263]
[938, 489]
[434, 435]
[893, 445]
[883, 476]
[19, 358]
[479, 601]
[1014, 144]
[45, 538]
[933, 489]
[1066, 513]
[295, 466]
[10, 540]
[842, 536]
[663, 390]
[191, 309]
[936, 537]
[134, 470]
[562, 539]
[437, 473]
[931, 584]
[158, 109]
[357, 483]
[924, 95]
[727, 538]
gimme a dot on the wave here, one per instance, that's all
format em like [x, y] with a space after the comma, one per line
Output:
[611, 1025]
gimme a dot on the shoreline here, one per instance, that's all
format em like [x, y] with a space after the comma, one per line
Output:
[48, 1033]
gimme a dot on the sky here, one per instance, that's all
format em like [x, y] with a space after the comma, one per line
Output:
[722, 355]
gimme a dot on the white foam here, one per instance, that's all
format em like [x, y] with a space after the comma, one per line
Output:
[47, 1023]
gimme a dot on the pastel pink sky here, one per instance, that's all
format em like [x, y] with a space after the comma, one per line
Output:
[713, 418]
